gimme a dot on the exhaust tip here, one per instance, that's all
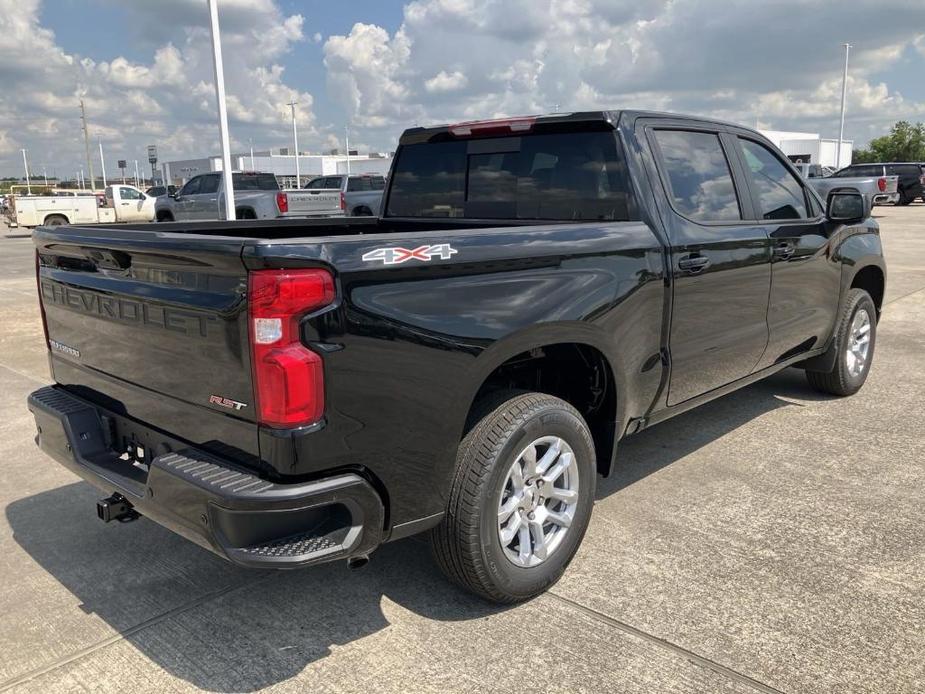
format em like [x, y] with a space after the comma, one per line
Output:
[357, 562]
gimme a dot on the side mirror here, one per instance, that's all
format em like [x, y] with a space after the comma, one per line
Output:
[847, 206]
[175, 196]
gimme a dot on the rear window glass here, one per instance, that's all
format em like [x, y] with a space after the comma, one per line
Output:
[243, 181]
[568, 176]
[365, 183]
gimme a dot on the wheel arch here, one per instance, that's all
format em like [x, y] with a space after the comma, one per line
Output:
[573, 362]
[52, 215]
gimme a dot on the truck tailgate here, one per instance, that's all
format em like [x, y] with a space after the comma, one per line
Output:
[310, 203]
[152, 326]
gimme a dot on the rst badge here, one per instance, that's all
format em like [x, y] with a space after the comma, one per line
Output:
[395, 255]
[226, 402]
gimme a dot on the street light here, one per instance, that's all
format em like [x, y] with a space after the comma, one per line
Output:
[103, 164]
[295, 139]
[844, 94]
[25, 164]
[222, 110]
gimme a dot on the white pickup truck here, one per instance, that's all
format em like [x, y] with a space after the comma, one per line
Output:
[120, 203]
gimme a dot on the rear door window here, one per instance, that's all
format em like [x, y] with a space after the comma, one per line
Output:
[358, 183]
[780, 194]
[333, 182]
[699, 178]
[260, 181]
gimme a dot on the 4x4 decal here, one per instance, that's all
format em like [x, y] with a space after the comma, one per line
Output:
[395, 255]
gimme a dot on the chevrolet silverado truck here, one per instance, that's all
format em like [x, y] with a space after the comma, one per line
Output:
[910, 177]
[360, 194]
[465, 364]
[256, 196]
[878, 188]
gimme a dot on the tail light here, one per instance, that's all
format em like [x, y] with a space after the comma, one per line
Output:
[38, 286]
[288, 377]
[343, 201]
[881, 184]
[282, 202]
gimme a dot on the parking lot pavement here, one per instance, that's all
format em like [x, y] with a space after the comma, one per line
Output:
[773, 540]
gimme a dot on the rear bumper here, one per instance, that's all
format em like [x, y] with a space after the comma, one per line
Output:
[228, 510]
[886, 198]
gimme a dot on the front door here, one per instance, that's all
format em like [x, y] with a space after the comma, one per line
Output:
[720, 262]
[805, 279]
[131, 205]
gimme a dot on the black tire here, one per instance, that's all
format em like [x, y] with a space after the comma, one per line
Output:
[164, 217]
[245, 213]
[466, 544]
[841, 380]
[55, 220]
[362, 211]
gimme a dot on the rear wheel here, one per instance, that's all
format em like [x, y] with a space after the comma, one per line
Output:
[362, 211]
[855, 339]
[245, 213]
[164, 217]
[55, 220]
[520, 500]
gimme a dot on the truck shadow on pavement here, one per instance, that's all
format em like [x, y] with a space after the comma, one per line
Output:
[223, 628]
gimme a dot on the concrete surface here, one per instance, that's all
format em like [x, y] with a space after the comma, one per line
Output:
[773, 540]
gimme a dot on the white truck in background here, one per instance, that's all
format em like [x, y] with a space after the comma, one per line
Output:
[120, 203]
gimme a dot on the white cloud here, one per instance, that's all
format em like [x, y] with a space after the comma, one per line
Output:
[446, 82]
[170, 100]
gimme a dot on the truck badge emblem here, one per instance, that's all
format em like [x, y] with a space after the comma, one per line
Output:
[395, 255]
[226, 402]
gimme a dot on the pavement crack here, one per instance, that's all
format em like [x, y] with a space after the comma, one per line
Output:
[123, 635]
[668, 645]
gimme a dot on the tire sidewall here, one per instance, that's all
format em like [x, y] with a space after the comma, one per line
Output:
[527, 581]
[858, 300]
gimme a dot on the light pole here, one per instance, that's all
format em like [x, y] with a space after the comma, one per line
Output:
[45, 176]
[347, 146]
[251, 142]
[103, 164]
[844, 94]
[137, 184]
[25, 164]
[222, 110]
[295, 141]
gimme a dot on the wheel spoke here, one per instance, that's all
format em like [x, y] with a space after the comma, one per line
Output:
[507, 508]
[529, 462]
[559, 519]
[565, 460]
[539, 540]
[509, 532]
[549, 457]
[517, 477]
[566, 495]
[525, 549]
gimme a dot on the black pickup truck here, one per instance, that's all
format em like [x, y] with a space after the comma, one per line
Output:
[291, 392]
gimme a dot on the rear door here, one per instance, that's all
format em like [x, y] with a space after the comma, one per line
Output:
[805, 278]
[720, 261]
[152, 326]
[204, 203]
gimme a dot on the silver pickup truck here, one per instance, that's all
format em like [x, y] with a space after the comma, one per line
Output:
[256, 196]
[879, 190]
[360, 194]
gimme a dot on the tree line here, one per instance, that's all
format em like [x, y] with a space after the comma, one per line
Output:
[904, 142]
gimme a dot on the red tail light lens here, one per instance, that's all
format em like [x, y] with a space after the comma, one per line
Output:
[38, 285]
[288, 377]
[881, 184]
[343, 201]
[282, 202]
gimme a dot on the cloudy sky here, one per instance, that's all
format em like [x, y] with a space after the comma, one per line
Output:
[144, 68]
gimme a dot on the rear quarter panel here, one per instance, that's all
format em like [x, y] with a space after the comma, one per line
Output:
[407, 346]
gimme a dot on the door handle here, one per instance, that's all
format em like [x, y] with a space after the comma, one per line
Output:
[693, 263]
[784, 250]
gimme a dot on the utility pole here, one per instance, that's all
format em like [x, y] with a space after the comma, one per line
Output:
[227, 179]
[347, 146]
[83, 120]
[25, 164]
[295, 141]
[103, 164]
[844, 94]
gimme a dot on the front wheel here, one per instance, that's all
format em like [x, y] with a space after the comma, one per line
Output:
[855, 338]
[520, 500]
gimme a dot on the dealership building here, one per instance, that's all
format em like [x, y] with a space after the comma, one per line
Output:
[811, 148]
[281, 162]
